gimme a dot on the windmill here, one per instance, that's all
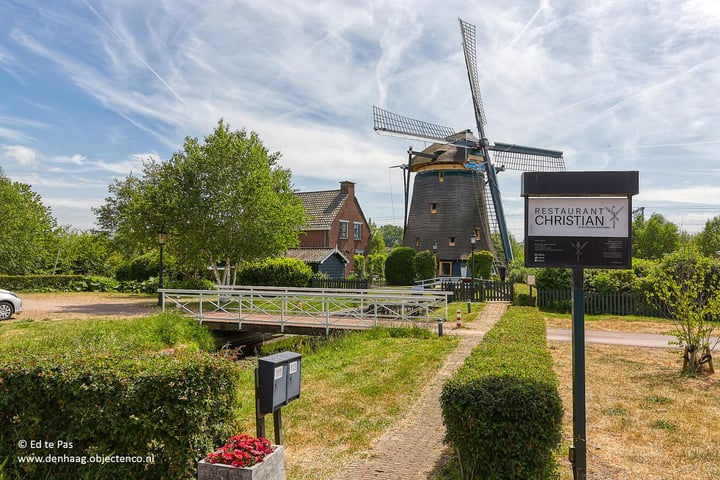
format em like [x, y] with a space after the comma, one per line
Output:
[456, 192]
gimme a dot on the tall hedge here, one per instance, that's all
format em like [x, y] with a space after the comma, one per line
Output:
[158, 413]
[502, 409]
[425, 265]
[400, 266]
[276, 272]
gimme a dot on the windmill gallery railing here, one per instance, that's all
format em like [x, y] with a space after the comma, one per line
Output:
[287, 310]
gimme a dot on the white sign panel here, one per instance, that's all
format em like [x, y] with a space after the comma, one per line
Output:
[578, 217]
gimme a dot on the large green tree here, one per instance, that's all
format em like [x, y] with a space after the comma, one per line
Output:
[221, 201]
[708, 240]
[654, 237]
[26, 229]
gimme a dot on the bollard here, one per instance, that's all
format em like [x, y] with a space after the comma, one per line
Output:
[440, 327]
[458, 318]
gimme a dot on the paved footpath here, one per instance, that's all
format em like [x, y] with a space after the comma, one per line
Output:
[412, 447]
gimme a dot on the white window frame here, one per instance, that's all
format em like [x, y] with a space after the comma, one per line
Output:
[344, 227]
[357, 230]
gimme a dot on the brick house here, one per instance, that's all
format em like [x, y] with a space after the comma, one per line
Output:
[336, 222]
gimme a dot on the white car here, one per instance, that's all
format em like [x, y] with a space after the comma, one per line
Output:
[10, 304]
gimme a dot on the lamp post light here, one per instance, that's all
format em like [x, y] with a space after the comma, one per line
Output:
[473, 239]
[161, 239]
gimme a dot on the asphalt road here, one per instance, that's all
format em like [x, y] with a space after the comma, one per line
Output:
[646, 340]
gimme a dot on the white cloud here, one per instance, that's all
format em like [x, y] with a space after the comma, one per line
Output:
[24, 156]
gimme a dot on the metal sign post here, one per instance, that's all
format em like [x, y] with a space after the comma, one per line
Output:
[578, 450]
[578, 220]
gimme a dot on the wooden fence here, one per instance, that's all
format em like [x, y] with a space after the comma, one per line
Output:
[481, 290]
[631, 303]
[340, 283]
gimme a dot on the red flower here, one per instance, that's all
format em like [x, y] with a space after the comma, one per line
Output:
[241, 451]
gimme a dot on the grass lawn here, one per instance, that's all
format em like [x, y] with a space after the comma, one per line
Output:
[644, 419]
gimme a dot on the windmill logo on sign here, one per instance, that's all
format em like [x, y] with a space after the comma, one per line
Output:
[463, 163]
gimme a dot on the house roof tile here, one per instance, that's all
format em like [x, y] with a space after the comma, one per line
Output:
[322, 207]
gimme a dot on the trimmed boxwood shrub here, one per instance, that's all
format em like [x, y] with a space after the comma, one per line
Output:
[166, 410]
[502, 409]
[400, 266]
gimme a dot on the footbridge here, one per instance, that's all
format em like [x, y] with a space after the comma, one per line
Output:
[307, 310]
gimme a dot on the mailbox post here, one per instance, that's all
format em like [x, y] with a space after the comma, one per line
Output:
[277, 383]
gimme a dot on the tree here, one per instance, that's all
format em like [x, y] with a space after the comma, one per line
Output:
[392, 234]
[26, 231]
[377, 240]
[708, 240]
[221, 202]
[688, 284]
[655, 237]
[81, 252]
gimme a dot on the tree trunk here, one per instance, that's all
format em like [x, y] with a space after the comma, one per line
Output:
[706, 359]
[691, 362]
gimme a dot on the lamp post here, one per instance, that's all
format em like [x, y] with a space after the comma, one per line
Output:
[434, 247]
[473, 239]
[161, 239]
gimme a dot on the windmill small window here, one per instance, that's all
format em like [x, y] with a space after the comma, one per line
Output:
[451, 243]
[433, 208]
[417, 241]
[441, 177]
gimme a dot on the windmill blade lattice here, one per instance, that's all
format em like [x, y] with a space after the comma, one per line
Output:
[527, 159]
[469, 49]
[393, 124]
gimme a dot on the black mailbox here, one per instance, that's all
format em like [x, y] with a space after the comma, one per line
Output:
[278, 380]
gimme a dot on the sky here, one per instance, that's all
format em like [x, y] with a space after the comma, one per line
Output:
[92, 89]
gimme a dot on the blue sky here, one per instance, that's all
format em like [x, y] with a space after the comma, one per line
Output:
[90, 89]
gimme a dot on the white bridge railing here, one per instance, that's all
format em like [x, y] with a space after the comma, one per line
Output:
[309, 307]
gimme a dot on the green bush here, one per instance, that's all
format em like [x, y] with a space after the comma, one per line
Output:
[425, 265]
[502, 409]
[482, 261]
[553, 279]
[167, 411]
[276, 272]
[524, 300]
[400, 266]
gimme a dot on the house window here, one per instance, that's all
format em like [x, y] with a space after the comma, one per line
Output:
[344, 229]
[445, 269]
[357, 231]
[433, 208]
[451, 242]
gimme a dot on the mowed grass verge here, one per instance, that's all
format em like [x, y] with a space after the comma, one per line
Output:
[644, 419]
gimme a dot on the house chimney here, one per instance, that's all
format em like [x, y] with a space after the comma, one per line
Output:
[348, 188]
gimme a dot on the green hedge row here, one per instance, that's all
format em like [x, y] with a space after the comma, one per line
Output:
[276, 272]
[149, 417]
[502, 409]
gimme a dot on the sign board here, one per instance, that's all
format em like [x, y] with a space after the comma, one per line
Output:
[590, 232]
[578, 219]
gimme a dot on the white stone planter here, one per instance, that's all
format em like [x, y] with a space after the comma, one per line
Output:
[272, 468]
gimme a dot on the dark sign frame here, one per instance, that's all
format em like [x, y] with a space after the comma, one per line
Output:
[560, 251]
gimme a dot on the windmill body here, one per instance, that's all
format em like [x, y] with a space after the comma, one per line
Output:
[455, 191]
